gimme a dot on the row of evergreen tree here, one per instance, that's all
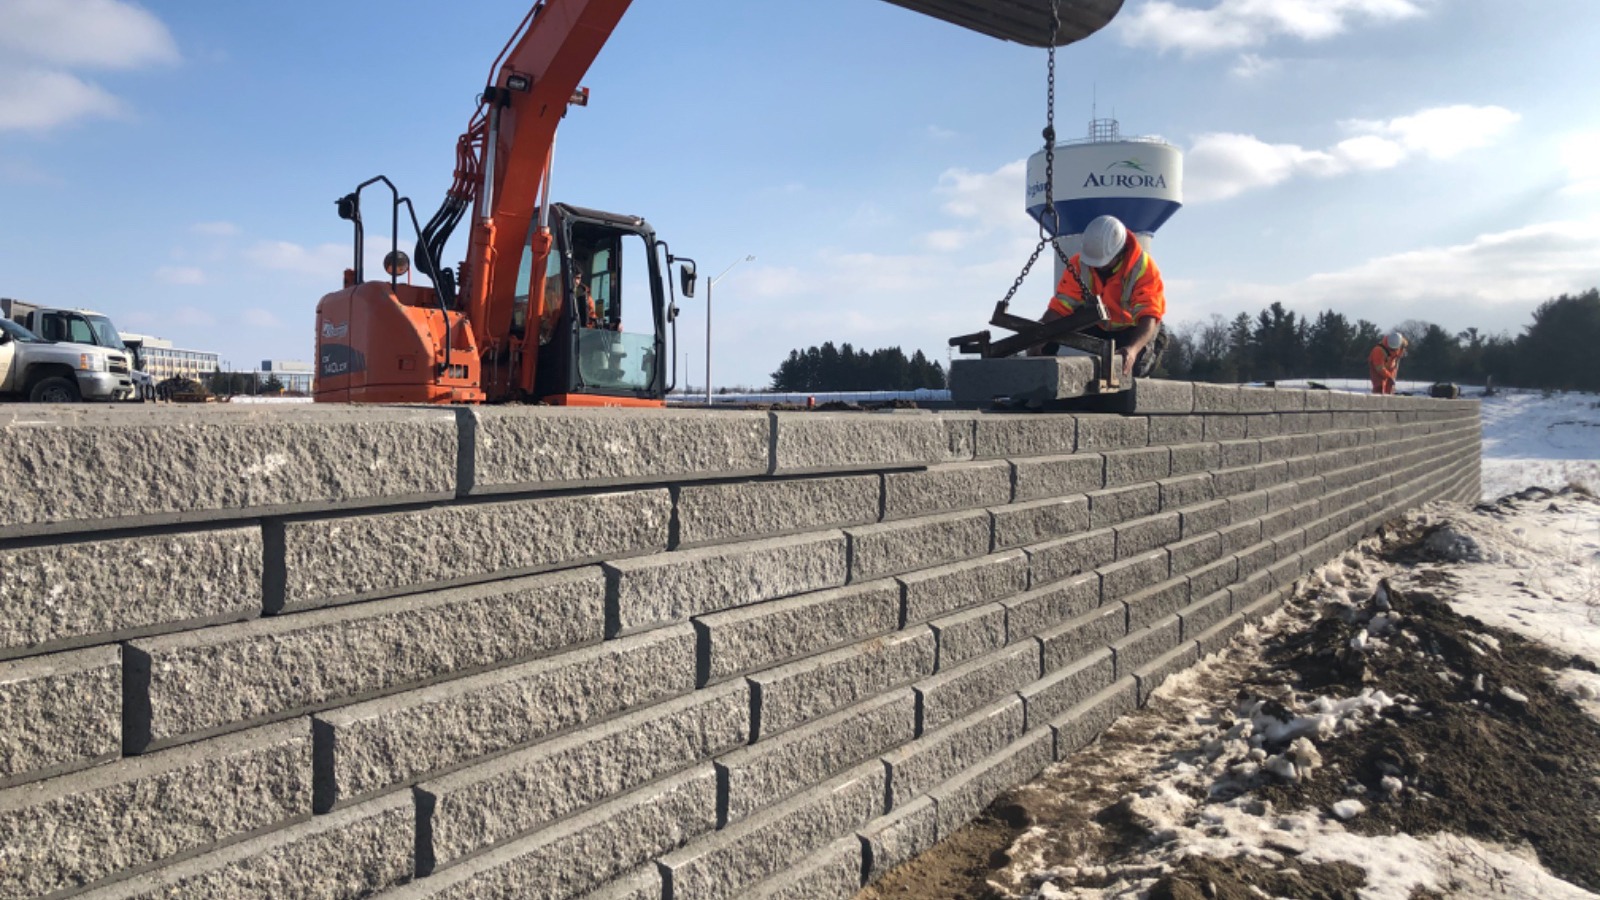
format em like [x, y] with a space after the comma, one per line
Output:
[844, 368]
[1557, 350]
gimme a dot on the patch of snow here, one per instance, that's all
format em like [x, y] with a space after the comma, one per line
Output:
[1533, 438]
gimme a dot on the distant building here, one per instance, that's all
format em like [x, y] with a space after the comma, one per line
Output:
[163, 361]
[294, 375]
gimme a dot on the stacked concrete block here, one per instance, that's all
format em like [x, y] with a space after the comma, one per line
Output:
[634, 654]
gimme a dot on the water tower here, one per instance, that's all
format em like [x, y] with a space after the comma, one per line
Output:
[1139, 180]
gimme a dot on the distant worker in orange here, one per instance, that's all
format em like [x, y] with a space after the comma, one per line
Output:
[1122, 274]
[1383, 363]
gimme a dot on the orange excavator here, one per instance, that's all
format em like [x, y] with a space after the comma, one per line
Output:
[535, 312]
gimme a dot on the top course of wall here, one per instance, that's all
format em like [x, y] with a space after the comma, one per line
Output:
[82, 468]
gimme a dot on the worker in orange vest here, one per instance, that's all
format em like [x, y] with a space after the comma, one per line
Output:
[1383, 363]
[1113, 266]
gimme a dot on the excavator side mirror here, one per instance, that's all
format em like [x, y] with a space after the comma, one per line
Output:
[686, 277]
[396, 263]
[349, 207]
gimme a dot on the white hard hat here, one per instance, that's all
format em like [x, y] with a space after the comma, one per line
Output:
[1395, 340]
[1102, 241]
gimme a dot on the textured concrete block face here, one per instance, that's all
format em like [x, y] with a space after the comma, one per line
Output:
[672, 587]
[1021, 378]
[1207, 580]
[829, 442]
[1047, 607]
[1231, 482]
[1187, 490]
[1157, 602]
[59, 712]
[899, 837]
[1039, 520]
[237, 462]
[201, 681]
[512, 448]
[61, 594]
[1195, 552]
[1263, 426]
[834, 873]
[950, 488]
[1168, 431]
[713, 513]
[337, 560]
[1129, 576]
[768, 772]
[1107, 432]
[959, 800]
[1116, 505]
[1249, 505]
[1155, 395]
[742, 640]
[644, 884]
[1124, 467]
[877, 551]
[799, 692]
[1021, 436]
[1150, 675]
[1201, 615]
[1092, 631]
[969, 634]
[723, 865]
[1216, 639]
[1140, 647]
[1198, 520]
[1217, 398]
[490, 804]
[937, 756]
[364, 748]
[1224, 428]
[932, 593]
[352, 853]
[1047, 699]
[1059, 476]
[79, 829]
[960, 430]
[587, 850]
[1078, 727]
[960, 690]
[1232, 454]
[1053, 561]
[1144, 535]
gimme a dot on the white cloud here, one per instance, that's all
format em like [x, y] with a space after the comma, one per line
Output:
[260, 318]
[990, 199]
[39, 99]
[1219, 166]
[44, 41]
[1580, 155]
[939, 133]
[1236, 24]
[102, 34]
[190, 317]
[1249, 66]
[186, 275]
[1492, 281]
[324, 261]
[215, 229]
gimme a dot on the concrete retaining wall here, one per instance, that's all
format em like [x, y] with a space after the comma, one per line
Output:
[529, 652]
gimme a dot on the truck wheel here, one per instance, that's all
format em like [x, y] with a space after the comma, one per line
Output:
[55, 390]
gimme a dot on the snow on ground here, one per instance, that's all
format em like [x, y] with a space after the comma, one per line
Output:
[1533, 438]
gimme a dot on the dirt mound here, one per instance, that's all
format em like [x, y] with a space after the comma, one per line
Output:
[1202, 878]
[1482, 742]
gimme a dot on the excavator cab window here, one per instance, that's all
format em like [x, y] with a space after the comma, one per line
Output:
[613, 311]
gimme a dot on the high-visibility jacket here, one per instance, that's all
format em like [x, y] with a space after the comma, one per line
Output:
[1133, 292]
[1384, 363]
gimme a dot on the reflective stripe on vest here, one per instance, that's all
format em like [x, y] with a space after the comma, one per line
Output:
[1130, 282]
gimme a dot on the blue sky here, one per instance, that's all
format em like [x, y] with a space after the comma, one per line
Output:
[174, 164]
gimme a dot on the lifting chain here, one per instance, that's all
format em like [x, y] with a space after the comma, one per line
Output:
[1049, 214]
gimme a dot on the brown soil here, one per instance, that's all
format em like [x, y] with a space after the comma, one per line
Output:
[1472, 762]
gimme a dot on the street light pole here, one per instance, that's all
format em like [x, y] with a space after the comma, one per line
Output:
[709, 283]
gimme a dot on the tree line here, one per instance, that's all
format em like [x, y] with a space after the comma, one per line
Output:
[1557, 350]
[844, 368]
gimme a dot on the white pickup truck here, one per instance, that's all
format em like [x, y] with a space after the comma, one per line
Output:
[32, 368]
[81, 326]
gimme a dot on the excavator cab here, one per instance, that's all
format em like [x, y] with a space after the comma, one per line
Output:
[603, 335]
